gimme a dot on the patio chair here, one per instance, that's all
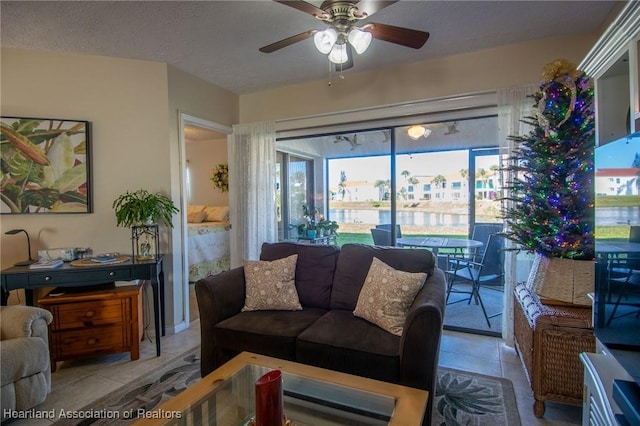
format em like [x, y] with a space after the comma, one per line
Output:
[381, 237]
[481, 231]
[625, 282]
[387, 227]
[472, 274]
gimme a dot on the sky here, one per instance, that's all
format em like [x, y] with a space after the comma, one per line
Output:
[375, 168]
[617, 154]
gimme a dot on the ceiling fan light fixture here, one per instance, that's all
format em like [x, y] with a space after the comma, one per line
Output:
[338, 54]
[325, 40]
[360, 40]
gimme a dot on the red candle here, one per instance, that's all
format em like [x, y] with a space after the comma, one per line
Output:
[269, 409]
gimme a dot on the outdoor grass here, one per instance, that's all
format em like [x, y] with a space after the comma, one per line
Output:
[617, 201]
[618, 232]
[361, 238]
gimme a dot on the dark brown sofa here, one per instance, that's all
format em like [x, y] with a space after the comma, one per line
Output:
[325, 333]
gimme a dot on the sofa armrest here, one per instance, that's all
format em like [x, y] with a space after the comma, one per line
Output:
[420, 341]
[24, 321]
[219, 297]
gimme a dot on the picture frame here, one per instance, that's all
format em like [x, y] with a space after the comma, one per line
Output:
[46, 166]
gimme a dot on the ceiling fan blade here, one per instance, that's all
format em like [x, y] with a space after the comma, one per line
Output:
[303, 6]
[349, 63]
[369, 7]
[398, 35]
[287, 41]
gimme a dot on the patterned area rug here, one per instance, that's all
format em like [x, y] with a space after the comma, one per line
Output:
[462, 398]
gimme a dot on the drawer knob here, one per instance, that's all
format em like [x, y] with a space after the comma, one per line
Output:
[90, 314]
[47, 278]
[91, 342]
[111, 274]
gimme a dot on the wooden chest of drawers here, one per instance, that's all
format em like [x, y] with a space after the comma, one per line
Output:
[95, 322]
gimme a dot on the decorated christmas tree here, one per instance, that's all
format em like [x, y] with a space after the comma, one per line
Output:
[550, 198]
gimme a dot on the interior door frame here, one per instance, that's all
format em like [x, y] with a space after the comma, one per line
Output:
[184, 120]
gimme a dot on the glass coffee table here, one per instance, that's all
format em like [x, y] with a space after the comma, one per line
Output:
[312, 396]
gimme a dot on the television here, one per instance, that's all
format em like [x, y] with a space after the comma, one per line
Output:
[616, 314]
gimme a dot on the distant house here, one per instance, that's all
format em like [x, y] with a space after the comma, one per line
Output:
[622, 181]
[356, 190]
[453, 187]
[449, 187]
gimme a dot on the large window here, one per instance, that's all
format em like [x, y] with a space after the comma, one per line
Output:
[439, 184]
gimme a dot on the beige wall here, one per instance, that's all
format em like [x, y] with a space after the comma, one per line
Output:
[467, 73]
[203, 157]
[133, 106]
[126, 101]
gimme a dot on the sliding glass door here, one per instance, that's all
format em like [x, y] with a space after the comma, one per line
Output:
[294, 189]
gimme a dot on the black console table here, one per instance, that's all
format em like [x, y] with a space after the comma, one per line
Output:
[66, 275]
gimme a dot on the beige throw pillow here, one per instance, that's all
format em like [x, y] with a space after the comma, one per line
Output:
[271, 285]
[387, 295]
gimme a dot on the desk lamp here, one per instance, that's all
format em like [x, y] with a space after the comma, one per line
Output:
[24, 262]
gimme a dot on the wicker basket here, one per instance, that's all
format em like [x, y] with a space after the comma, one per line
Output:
[548, 339]
[562, 281]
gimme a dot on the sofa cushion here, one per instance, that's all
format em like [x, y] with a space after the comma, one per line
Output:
[271, 333]
[342, 342]
[314, 269]
[271, 285]
[386, 296]
[353, 266]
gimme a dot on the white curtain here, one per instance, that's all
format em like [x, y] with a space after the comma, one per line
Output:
[513, 105]
[252, 191]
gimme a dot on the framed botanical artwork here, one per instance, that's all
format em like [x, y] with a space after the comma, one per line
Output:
[45, 166]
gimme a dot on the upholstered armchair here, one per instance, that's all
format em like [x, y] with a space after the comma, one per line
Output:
[24, 357]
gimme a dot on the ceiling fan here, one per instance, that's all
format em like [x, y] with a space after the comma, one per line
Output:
[343, 35]
[353, 141]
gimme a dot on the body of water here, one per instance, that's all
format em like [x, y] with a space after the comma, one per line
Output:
[415, 218]
[611, 216]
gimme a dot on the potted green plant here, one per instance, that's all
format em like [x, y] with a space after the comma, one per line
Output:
[330, 227]
[144, 207]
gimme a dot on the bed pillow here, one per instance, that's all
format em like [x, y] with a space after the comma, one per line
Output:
[196, 217]
[217, 214]
[192, 208]
[271, 285]
[387, 295]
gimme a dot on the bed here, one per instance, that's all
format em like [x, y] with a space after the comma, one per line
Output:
[207, 244]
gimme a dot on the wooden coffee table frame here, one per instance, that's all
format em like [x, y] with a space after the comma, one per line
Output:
[410, 403]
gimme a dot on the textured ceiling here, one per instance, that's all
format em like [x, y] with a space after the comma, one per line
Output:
[218, 41]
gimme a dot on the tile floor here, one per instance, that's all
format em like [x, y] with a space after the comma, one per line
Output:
[75, 384]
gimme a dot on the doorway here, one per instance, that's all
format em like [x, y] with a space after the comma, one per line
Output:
[203, 145]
